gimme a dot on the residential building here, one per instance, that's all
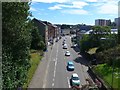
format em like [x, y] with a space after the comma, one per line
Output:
[117, 22]
[43, 29]
[56, 33]
[107, 22]
[52, 31]
[85, 27]
[102, 22]
[59, 29]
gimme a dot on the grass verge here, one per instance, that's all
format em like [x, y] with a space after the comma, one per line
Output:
[34, 61]
[105, 72]
[92, 50]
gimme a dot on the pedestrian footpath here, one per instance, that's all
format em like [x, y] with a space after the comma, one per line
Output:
[38, 77]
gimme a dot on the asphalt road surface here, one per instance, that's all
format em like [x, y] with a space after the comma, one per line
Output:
[52, 71]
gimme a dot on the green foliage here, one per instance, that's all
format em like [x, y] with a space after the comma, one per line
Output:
[119, 35]
[34, 61]
[16, 38]
[98, 33]
[37, 40]
[85, 43]
[94, 39]
[109, 42]
[109, 56]
[105, 72]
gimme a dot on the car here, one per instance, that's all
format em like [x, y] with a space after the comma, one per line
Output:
[70, 65]
[75, 81]
[65, 46]
[63, 42]
[75, 45]
[67, 53]
[57, 40]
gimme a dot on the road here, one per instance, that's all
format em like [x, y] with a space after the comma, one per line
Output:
[52, 71]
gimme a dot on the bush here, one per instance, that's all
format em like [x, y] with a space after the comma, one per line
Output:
[37, 40]
[110, 56]
[16, 37]
[85, 43]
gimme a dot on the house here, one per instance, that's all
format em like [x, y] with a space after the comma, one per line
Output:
[52, 31]
[43, 29]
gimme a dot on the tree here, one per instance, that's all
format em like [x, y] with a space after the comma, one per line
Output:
[64, 26]
[37, 41]
[16, 37]
[99, 32]
[118, 35]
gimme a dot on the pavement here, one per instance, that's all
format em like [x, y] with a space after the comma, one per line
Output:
[52, 71]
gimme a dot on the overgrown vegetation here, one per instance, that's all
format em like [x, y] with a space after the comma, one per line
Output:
[34, 61]
[105, 72]
[94, 39]
[107, 53]
[109, 56]
[19, 35]
[16, 40]
[37, 41]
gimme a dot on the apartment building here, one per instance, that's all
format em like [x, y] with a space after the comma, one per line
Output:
[102, 22]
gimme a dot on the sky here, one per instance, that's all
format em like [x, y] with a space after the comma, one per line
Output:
[74, 11]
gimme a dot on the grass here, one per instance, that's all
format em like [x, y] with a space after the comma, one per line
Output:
[34, 61]
[92, 50]
[105, 71]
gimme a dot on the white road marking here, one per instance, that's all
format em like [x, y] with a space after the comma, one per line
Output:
[53, 79]
[56, 62]
[68, 82]
[55, 68]
[52, 84]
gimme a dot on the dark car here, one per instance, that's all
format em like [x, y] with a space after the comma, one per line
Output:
[70, 65]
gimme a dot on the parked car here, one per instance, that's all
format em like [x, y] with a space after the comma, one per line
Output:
[67, 53]
[70, 65]
[65, 46]
[57, 40]
[75, 81]
[63, 42]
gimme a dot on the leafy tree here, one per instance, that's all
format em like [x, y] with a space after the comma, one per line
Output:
[64, 26]
[98, 33]
[118, 35]
[109, 56]
[37, 40]
[85, 43]
[16, 37]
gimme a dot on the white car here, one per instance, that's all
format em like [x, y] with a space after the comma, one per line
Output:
[65, 46]
[67, 53]
[75, 81]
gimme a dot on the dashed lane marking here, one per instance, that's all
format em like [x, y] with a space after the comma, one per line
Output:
[52, 84]
[53, 79]
[68, 82]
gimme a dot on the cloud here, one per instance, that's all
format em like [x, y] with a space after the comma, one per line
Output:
[55, 7]
[75, 4]
[101, 1]
[91, 0]
[79, 4]
[32, 9]
[50, 1]
[108, 8]
[74, 11]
